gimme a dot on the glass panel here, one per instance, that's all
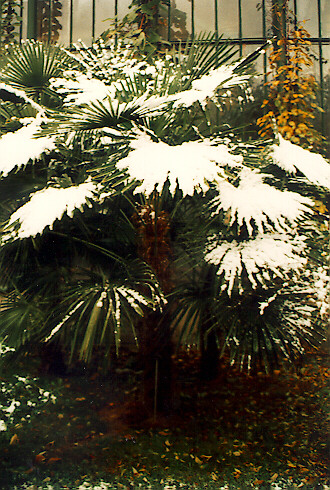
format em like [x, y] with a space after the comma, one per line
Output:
[307, 10]
[228, 18]
[325, 19]
[24, 20]
[204, 16]
[123, 8]
[82, 21]
[326, 57]
[258, 64]
[105, 9]
[64, 33]
[180, 19]
[251, 19]
[49, 18]
[12, 19]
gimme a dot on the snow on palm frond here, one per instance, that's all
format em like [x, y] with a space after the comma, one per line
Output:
[22, 95]
[106, 62]
[261, 258]
[321, 286]
[79, 88]
[255, 202]
[293, 158]
[19, 147]
[206, 86]
[189, 165]
[45, 206]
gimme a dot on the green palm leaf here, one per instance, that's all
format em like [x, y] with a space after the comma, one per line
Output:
[30, 66]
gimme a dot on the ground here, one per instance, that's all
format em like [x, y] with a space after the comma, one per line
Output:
[236, 432]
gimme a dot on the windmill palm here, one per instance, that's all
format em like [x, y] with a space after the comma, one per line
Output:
[146, 196]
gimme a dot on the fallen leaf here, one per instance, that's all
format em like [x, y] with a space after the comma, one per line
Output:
[274, 477]
[14, 440]
[237, 453]
[135, 471]
[40, 457]
[198, 461]
[53, 460]
[167, 442]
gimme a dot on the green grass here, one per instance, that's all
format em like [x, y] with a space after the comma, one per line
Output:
[242, 431]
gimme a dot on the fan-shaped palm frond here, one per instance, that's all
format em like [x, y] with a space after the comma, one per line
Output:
[96, 308]
[20, 313]
[263, 328]
[258, 329]
[30, 65]
[203, 53]
[99, 115]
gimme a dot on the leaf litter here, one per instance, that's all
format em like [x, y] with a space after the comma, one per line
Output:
[245, 431]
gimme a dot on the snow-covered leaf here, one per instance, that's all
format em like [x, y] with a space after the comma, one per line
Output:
[260, 258]
[264, 205]
[18, 147]
[293, 158]
[189, 165]
[47, 205]
[206, 86]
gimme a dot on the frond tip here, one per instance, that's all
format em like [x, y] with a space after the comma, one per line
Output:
[259, 259]
[19, 147]
[44, 207]
[292, 159]
[190, 166]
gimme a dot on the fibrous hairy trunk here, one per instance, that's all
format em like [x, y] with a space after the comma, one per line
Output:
[156, 343]
[156, 361]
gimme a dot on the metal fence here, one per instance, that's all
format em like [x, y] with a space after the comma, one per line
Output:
[247, 23]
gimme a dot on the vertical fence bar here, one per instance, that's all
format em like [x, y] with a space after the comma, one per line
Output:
[50, 17]
[71, 23]
[21, 11]
[216, 19]
[1, 26]
[264, 35]
[116, 22]
[192, 19]
[32, 19]
[169, 21]
[240, 32]
[295, 14]
[93, 20]
[321, 64]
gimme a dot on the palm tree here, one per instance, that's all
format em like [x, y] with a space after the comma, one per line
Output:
[135, 201]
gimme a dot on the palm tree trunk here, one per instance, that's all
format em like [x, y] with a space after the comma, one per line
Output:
[156, 345]
[209, 357]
